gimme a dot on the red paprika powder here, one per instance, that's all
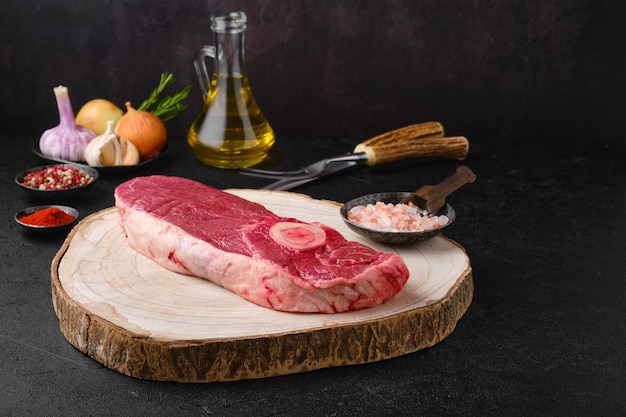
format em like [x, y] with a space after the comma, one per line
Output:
[50, 216]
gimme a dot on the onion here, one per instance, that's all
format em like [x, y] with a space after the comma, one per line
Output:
[95, 114]
[67, 141]
[144, 130]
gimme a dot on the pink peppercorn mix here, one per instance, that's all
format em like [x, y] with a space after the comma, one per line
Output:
[57, 177]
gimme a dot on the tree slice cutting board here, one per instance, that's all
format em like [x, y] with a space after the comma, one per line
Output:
[142, 320]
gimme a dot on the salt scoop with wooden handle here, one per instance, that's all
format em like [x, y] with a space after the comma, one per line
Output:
[432, 197]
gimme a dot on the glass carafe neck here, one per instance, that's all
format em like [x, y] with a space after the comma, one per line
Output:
[229, 53]
[229, 41]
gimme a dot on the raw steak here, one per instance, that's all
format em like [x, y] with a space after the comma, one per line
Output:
[194, 229]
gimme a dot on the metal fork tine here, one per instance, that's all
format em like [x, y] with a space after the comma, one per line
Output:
[270, 173]
[309, 171]
[278, 176]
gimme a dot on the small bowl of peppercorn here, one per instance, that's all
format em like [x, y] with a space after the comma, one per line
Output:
[47, 219]
[57, 181]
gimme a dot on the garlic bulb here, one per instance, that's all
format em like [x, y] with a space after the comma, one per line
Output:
[110, 150]
[66, 141]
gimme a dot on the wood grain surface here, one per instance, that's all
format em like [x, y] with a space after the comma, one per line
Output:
[142, 320]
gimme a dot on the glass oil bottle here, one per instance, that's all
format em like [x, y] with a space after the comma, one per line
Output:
[231, 131]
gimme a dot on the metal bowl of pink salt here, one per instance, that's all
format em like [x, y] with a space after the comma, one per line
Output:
[382, 218]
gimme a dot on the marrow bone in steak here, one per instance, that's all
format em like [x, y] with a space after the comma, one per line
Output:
[275, 262]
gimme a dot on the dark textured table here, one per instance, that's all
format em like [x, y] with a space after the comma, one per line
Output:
[544, 227]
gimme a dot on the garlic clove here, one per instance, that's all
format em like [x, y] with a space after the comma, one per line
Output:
[106, 152]
[110, 150]
[102, 150]
[129, 152]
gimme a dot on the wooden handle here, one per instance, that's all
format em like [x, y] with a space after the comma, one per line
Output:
[423, 140]
[416, 131]
[432, 197]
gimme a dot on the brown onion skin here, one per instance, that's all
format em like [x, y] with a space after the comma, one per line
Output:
[144, 130]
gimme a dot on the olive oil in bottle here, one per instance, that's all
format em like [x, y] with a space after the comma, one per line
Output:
[231, 131]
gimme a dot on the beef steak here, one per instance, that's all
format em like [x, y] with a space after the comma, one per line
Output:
[194, 229]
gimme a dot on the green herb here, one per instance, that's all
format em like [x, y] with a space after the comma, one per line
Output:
[168, 107]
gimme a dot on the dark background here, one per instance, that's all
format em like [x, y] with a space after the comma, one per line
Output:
[537, 87]
[485, 69]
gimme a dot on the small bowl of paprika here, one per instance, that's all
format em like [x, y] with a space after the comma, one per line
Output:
[47, 219]
[57, 181]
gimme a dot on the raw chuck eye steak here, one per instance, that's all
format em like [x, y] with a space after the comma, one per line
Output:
[275, 262]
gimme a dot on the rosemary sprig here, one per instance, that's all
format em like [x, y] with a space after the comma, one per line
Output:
[168, 107]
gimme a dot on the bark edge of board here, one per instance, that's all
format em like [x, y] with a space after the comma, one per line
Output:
[214, 360]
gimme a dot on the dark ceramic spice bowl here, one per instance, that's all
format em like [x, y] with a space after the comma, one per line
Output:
[393, 237]
[57, 193]
[62, 228]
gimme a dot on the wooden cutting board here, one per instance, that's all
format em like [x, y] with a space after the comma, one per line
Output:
[142, 320]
